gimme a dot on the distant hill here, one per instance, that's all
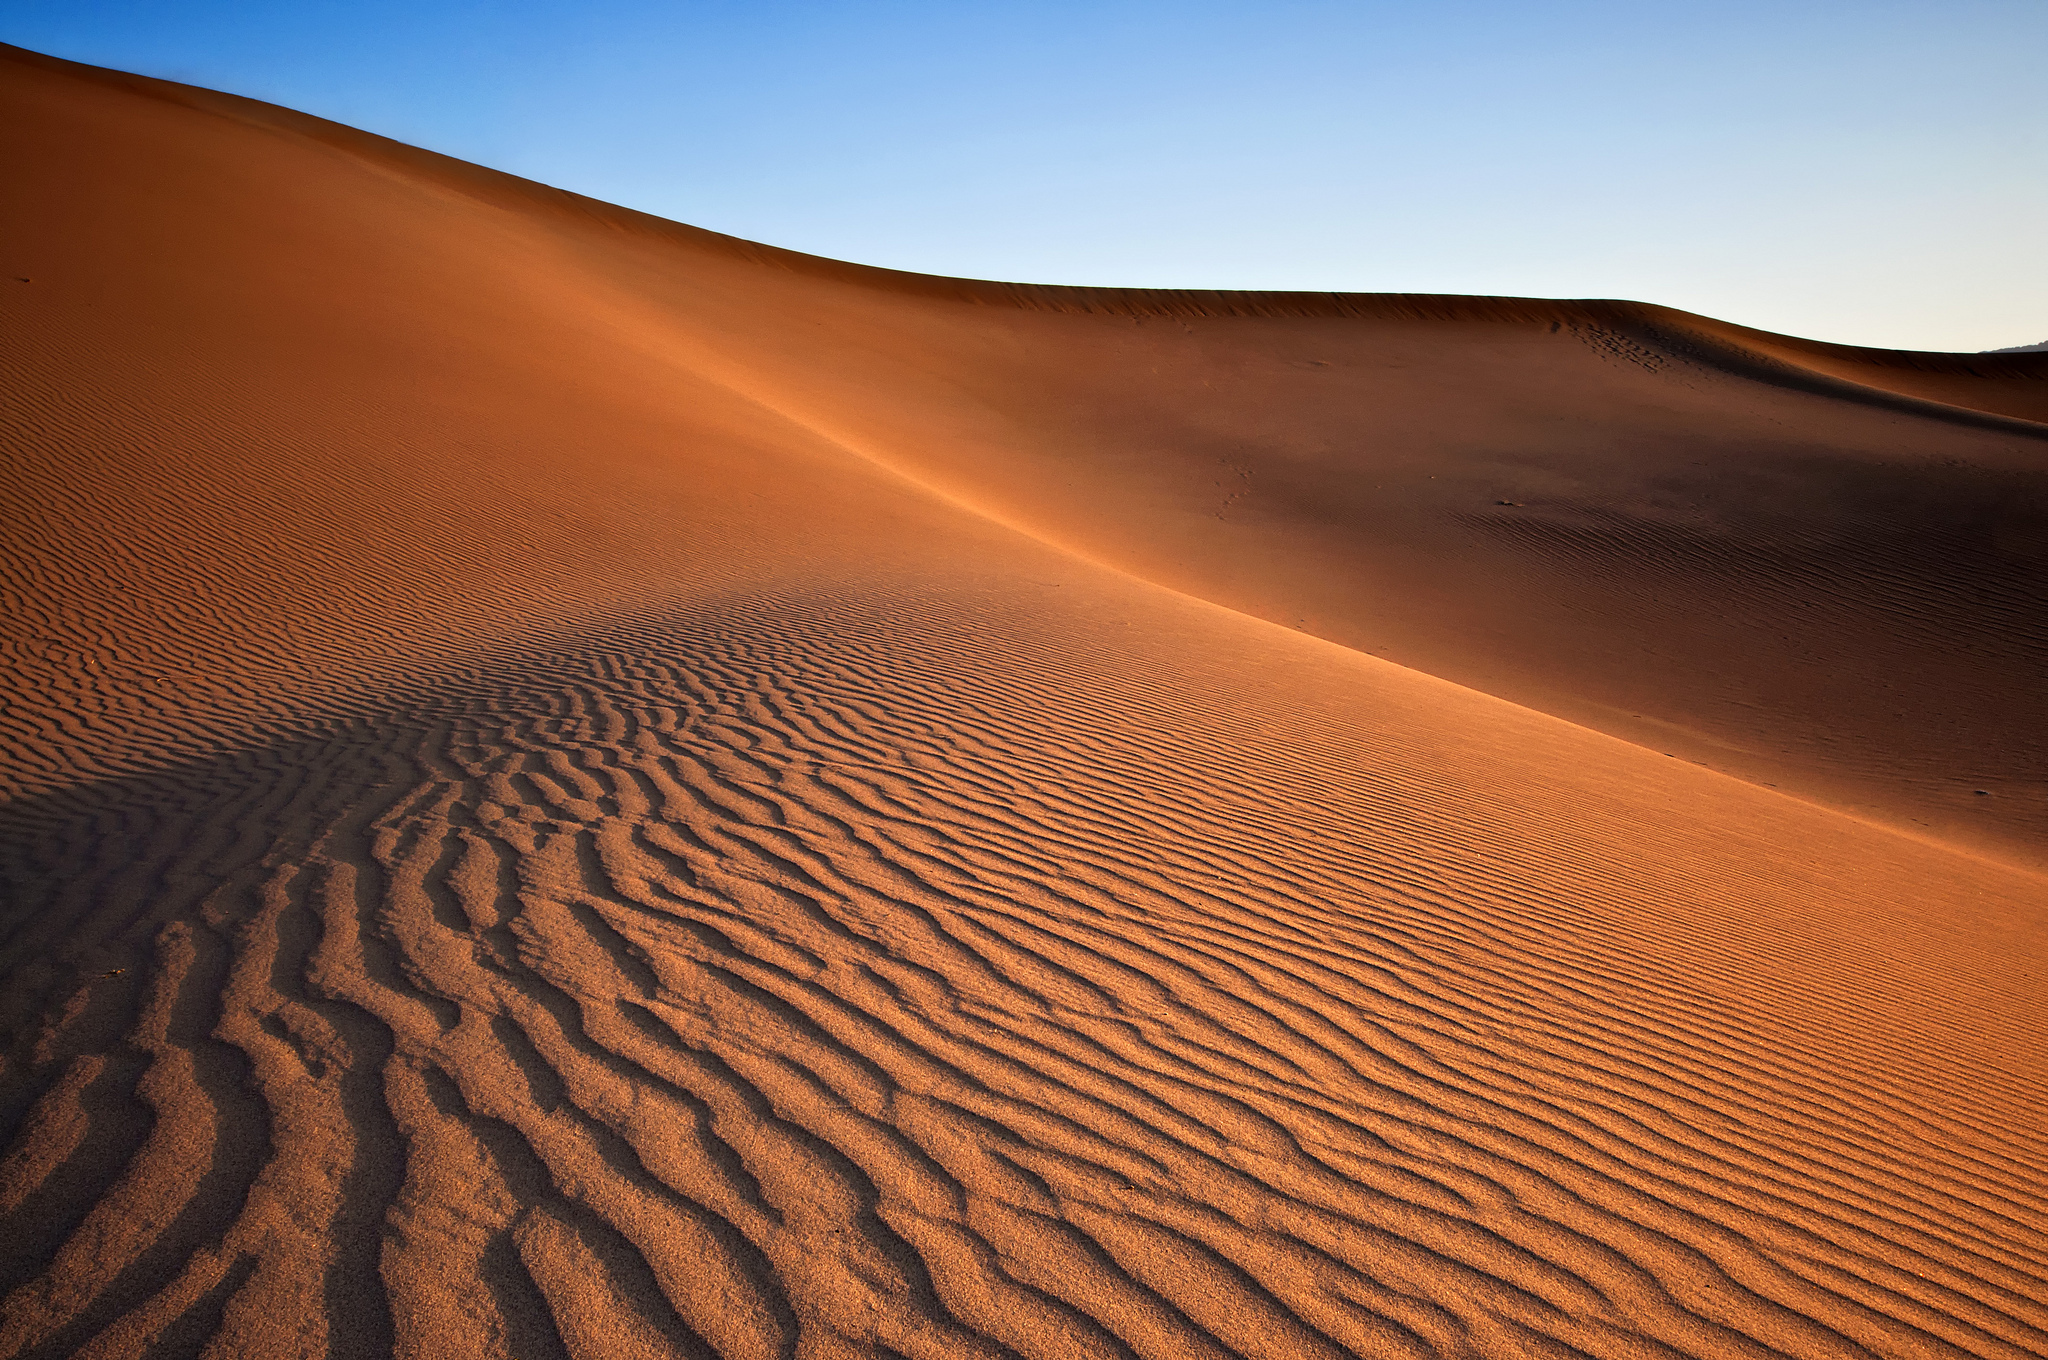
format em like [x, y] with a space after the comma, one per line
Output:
[2019, 349]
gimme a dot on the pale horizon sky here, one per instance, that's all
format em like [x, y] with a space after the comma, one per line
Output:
[1870, 172]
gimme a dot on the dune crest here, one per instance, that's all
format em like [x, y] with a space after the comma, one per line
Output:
[581, 787]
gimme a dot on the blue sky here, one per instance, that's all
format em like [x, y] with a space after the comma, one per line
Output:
[1855, 170]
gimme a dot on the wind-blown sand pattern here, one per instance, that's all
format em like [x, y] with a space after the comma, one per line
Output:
[578, 787]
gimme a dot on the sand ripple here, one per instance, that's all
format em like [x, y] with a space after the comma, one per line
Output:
[828, 982]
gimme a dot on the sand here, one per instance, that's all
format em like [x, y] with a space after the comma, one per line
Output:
[581, 787]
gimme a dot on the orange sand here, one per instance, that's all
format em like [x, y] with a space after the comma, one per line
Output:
[578, 786]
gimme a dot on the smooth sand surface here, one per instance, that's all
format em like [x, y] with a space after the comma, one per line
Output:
[581, 787]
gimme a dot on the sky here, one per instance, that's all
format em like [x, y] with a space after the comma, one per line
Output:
[1866, 171]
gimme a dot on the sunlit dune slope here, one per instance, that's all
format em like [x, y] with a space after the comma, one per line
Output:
[580, 787]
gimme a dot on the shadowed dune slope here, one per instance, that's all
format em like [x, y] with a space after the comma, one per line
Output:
[579, 787]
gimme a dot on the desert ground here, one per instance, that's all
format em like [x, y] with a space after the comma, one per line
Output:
[580, 787]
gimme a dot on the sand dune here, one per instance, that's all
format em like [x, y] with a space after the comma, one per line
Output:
[581, 787]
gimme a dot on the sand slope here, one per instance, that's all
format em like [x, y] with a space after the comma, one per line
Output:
[580, 787]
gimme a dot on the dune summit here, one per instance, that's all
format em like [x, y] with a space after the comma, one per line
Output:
[577, 786]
